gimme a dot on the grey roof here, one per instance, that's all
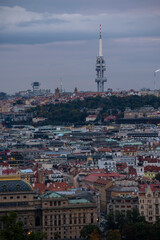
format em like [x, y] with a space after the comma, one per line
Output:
[124, 189]
[14, 186]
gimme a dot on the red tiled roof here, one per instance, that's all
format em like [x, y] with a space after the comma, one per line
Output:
[154, 187]
[8, 171]
[152, 169]
[102, 181]
[56, 186]
[129, 149]
[104, 150]
[94, 176]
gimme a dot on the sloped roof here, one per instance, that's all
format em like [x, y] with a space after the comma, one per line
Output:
[14, 186]
[154, 187]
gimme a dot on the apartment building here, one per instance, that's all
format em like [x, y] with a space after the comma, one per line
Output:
[149, 202]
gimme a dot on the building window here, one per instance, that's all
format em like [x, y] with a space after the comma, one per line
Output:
[37, 221]
[150, 212]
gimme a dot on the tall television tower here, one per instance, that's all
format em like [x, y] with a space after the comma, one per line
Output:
[100, 67]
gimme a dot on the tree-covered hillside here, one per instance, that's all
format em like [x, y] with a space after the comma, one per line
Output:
[76, 111]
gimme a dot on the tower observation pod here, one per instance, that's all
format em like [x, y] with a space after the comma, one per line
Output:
[100, 67]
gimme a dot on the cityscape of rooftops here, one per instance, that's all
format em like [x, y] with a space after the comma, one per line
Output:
[80, 120]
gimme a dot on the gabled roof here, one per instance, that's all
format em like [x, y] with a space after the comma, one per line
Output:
[154, 187]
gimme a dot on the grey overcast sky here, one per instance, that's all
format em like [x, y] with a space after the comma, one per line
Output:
[50, 40]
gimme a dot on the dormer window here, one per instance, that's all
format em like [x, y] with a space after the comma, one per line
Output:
[4, 186]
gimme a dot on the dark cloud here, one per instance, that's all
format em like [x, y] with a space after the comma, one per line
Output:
[52, 39]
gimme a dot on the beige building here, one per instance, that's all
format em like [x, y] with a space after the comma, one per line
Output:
[149, 202]
[122, 204]
[51, 213]
[67, 216]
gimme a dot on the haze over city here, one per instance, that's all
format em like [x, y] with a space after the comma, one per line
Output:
[47, 41]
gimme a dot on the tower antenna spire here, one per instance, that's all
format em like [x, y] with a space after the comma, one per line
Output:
[100, 42]
[100, 32]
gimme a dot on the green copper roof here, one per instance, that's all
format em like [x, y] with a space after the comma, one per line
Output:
[51, 194]
[75, 201]
[111, 140]
[130, 143]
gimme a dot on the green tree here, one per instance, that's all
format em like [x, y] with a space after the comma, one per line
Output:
[120, 220]
[14, 230]
[87, 230]
[129, 232]
[35, 236]
[95, 235]
[133, 216]
[56, 235]
[110, 224]
[144, 231]
[114, 235]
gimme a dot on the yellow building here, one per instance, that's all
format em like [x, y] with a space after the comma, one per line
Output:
[150, 175]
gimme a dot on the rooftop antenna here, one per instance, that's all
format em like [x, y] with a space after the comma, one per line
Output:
[61, 86]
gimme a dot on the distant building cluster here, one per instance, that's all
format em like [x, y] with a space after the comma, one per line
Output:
[59, 179]
[65, 181]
